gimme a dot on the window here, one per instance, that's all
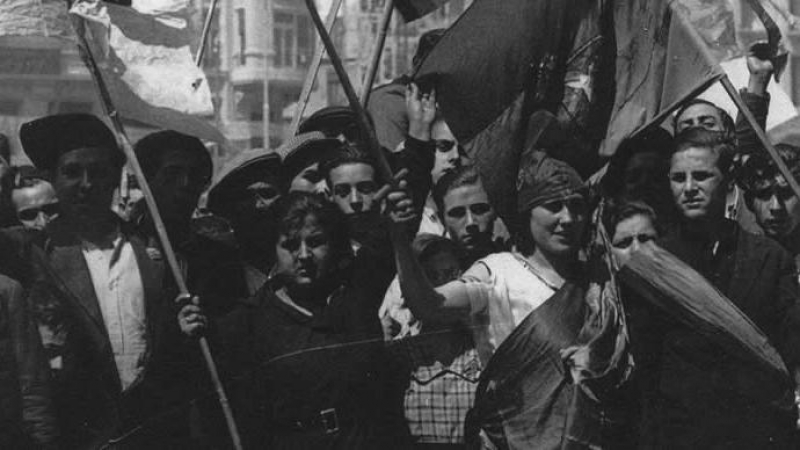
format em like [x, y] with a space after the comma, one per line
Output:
[10, 107]
[241, 27]
[293, 40]
[388, 65]
[74, 107]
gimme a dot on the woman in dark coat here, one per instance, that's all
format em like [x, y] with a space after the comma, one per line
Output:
[304, 354]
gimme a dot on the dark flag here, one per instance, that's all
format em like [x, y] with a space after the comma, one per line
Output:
[500, 62]
[412, 10]
[661, 61]
[678, 291]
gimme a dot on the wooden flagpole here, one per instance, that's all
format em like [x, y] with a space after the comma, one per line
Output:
[201, 49]
[313, 69]
[377, 52]
[762, 136]
[364, 123]
[158, 222]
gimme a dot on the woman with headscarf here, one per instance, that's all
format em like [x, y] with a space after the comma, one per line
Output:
[303, 356]
[545, 326]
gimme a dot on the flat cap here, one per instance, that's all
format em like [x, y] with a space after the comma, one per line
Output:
[306, 149]
[47, 138]
[246, 168]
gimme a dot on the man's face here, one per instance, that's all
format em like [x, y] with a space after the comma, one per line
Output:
[353, 187]
[447, 157]
[469, 218]
[36, 205]
[178, 183]
[629, 234]
[776, 208]
[85, 180]
[700, 115]
[309, 180]
[698, 186]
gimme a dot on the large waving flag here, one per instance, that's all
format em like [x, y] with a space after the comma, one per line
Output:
[143, 55]
[662, 59]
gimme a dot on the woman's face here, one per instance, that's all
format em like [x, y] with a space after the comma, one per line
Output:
[557, 226]
[305, 257]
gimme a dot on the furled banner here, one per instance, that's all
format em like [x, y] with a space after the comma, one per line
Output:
[144, 58]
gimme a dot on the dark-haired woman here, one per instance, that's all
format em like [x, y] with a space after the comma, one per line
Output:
[549, 337]
[305, 353]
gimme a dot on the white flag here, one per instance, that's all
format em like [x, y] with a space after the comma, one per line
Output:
[144, 57]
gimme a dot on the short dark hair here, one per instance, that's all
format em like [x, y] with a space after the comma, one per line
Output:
[348, 153]
[760, 169]
[293, 209]
[713, 140]
[618, 209]
[728, 125]
[466, 175]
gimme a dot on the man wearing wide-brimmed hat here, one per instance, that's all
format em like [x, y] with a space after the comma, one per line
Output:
[96, 294]
[244, 193]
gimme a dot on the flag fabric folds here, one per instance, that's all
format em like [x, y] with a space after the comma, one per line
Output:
[412, 10]
[144, 58]
[662, 60]
[677, 290]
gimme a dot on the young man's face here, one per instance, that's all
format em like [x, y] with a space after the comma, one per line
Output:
[776, 208]
[700, 115]
[353, 187]
[629, 234]
[447, 157]
[36, 205]
[84, 181]
[178, 183]
[469, 218]
[698, 186]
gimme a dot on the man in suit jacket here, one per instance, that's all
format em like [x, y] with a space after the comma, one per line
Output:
[97, 295]
[702, 396]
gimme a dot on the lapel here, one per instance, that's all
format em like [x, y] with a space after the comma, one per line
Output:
[69, 266]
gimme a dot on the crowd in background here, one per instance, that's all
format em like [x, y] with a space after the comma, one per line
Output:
[350, 311]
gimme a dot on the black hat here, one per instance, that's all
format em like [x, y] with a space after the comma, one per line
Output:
[151, 148]
[47, 138]
[306, 149]
[246, 168]
[332, 121]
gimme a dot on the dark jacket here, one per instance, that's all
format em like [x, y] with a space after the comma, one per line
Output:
[90, 403]
[697, 395]
[26, 409]
[313, 382]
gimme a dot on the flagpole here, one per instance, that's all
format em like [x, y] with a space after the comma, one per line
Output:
[201, 49]
[364, 123]
[386, 20]
[158, 222]
[313, 69]
[762, 136]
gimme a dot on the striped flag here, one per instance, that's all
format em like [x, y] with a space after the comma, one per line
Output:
[143, 54]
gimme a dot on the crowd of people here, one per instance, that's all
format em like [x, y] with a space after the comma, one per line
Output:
[350, 311]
